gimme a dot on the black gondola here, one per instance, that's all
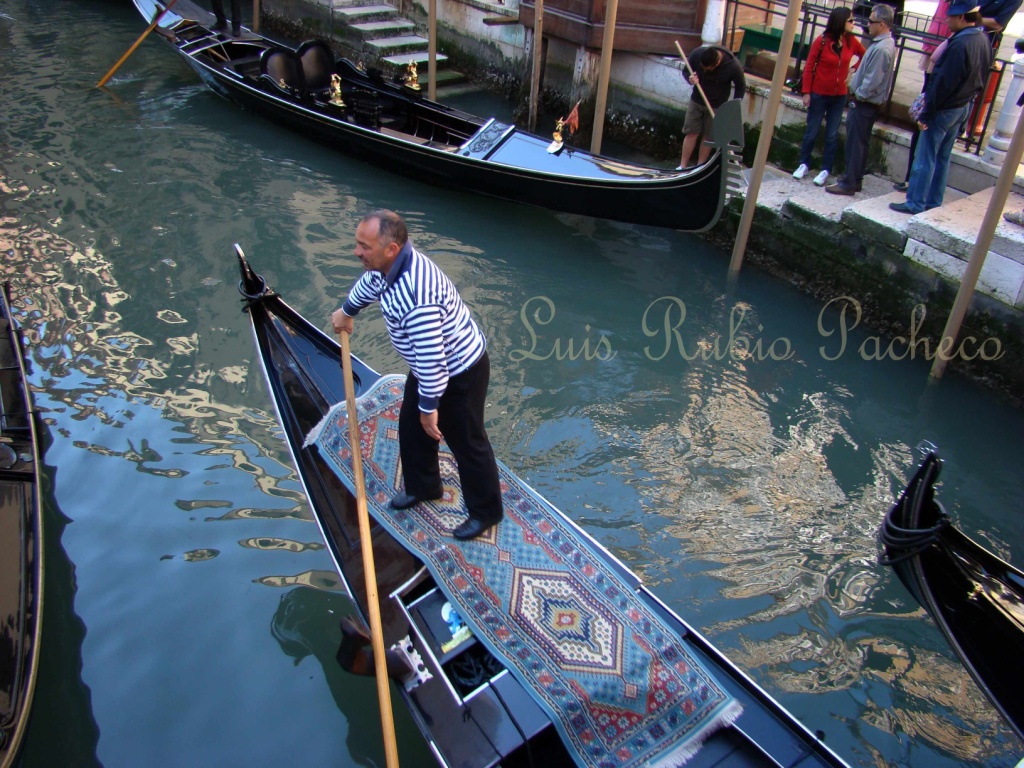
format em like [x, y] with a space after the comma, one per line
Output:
[975, 598]
[21, 552]
[472, 710]
[392, 125]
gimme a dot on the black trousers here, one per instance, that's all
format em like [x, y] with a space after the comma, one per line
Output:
[860, 119]
[460, 417]
[236, 11]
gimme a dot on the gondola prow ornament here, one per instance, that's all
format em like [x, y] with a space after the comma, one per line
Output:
[570, 121]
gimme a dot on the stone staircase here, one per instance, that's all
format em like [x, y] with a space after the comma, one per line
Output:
[379, 31]
[940, 240]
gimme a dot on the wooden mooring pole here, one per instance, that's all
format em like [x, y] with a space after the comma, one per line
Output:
[607, 48]
[538, 61]
[771, 111]
[432, 52]
[945, 351]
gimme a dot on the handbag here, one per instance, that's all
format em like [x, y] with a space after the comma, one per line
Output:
[916, 107]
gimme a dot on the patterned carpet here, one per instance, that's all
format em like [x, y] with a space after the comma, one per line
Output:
[614, 678]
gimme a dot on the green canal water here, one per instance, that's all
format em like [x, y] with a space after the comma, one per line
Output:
[724, 442]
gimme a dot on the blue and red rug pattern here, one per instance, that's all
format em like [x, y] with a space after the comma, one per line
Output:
[614, 678]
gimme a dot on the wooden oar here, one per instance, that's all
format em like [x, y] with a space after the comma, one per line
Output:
[376, 632]
[130, 51]
[686, 63]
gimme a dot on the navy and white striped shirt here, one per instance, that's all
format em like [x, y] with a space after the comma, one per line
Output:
[428, 322]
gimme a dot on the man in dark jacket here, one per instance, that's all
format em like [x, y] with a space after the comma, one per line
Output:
[957, 79]
[995, 15]
[719, 74]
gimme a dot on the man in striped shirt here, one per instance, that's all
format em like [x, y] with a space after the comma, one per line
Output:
[446, 388]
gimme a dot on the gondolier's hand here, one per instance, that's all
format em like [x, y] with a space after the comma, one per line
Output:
[693, 79]
[429, 422]
[342, 322]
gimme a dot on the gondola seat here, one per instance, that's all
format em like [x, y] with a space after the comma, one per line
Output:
[365, 106]
[281, 73]
[318, 64]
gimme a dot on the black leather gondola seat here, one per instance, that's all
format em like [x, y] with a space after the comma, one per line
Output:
[281, 72]
[318, 64]
[365, 106]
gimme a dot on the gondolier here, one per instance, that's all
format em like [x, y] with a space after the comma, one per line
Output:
[445, 392]
[716, 77]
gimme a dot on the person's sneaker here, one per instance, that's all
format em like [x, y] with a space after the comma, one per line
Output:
[800, 172]
[901, 186]
[1015, 217]
[821, 178]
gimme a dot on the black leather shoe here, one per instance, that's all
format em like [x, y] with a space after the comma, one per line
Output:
[403, 500]
[473, 528]
[236, 31]
[220, 26]
[901, 208]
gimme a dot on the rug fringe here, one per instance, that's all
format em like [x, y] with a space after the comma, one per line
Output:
[691, 747]
[384, 381]
[314, 433]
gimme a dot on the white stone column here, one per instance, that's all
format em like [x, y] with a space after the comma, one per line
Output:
[714, 21]
[995, 152]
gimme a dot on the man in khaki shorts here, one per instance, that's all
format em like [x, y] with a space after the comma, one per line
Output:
[720, 76]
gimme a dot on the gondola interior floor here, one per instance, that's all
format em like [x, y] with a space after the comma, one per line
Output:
[617, 681]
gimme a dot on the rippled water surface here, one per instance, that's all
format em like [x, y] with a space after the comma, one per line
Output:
[192, 608]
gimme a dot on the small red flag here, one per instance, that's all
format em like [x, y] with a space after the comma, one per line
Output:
[572, 122]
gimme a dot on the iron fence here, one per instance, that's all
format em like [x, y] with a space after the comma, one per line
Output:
[914, 33]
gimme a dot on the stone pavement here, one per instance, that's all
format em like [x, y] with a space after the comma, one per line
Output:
[940, 240]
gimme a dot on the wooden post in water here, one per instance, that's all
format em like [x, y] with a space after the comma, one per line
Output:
[980, 251]
[538, 61]
[372, 604]
[607, 45]
[256, 16]
[432, 52]
[771, 111]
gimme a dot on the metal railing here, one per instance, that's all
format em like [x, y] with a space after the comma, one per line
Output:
[914, 33]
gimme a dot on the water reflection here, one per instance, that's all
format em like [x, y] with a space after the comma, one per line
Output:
[95, 368]
[745, 490]
[306, 624]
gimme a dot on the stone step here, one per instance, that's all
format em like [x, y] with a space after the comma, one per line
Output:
[373, 30]
[941, 239]
[361, 14]
[954, 226]
[420, 57]
[393, 46]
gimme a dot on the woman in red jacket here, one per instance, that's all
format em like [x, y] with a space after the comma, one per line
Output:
[824, 87]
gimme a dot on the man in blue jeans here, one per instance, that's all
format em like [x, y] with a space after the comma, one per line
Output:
[869, 89]
[957, 79]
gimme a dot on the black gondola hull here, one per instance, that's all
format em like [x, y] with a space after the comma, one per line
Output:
[975, 598]
[21, 540]
[514, 165]
[302, 370]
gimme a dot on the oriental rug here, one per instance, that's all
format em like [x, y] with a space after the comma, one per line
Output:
[616, 680]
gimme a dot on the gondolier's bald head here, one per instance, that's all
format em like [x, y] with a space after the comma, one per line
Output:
[380, 237]
[392, 226]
